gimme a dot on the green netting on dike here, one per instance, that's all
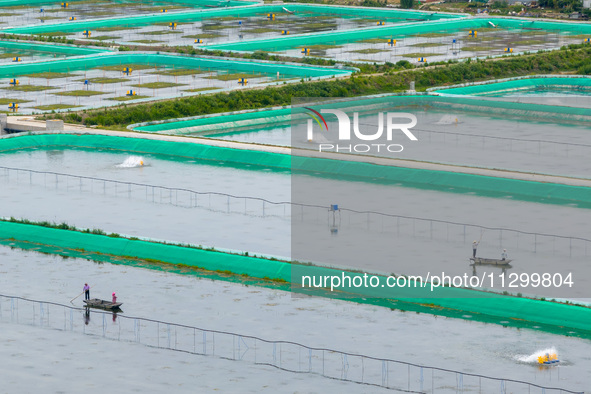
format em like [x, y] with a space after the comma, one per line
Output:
[401, 31]
[350, 36]
[143, 20]
[86, 63]
[225, 122]
[58, 49]
[548, 193]
[376, 103]
[490, 307]
[522, 84]
[193, 3]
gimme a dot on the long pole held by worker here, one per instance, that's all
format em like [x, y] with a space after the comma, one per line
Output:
[79, 294]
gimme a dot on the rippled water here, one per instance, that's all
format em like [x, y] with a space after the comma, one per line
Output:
[471, 347]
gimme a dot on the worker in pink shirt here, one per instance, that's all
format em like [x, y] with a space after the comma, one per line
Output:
[86, 290]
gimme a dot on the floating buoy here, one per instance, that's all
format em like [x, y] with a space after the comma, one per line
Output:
[198, 41]
[306, 51]
[381, 23]
[271, 17]
[473, 33]
[131, 93]
[141, 162]
[127, 70]
[14, 82]
[172, 25]
[13, 107]
[392, 42]
[284, 32]
[422, 60]
[86, 33]
[16, 59]
[65, 5]
[72, 18]
[163, 10]
[587, 40]
[508, 50]
[243, 81]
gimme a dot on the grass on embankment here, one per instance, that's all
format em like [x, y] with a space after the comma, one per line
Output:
[576, 58]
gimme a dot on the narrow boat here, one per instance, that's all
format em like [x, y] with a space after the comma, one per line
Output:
[483, 261]
[102, 304]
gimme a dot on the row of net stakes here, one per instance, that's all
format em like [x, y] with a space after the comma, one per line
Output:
[314, 361]
[320, 211]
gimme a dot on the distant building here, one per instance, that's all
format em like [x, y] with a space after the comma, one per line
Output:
[523, 2]
[577, 15]
[586, 3]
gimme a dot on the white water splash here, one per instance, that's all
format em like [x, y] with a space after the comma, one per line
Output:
[533, 358]
[132, 162]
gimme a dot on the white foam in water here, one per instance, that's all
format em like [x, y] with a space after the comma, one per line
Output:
[533, 358]
[449, 119]
[132, 162]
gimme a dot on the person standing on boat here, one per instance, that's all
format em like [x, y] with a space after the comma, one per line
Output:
[504, 255]
[474, 247]
[114, 298]
[86, 290]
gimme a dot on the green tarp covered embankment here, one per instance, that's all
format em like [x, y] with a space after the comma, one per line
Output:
[400, 31]
[15, 46]
[249, 11]
[89, 62]
[521, 84]
[494, 308]
[549, 193]
[268, 117]
[349, 36]
[225, 122]
[190, 3]
[209, 260]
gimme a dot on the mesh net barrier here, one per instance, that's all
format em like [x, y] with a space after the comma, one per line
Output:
[227, 122]
[58, 49]
[168, 61]
[194, 3]
[453, 182]
[143, 20]
[400, 31]
[539, 112]
[522, 84]
[350, 36]
[488, 307]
